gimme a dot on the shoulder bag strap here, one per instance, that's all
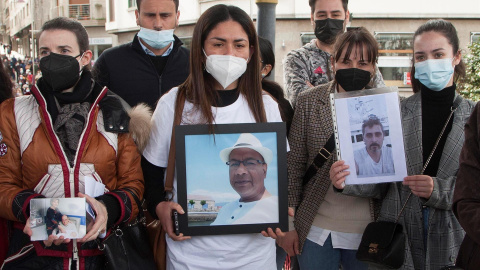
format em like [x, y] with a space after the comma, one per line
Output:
[323, 154]
[171, 155]
[454, 107]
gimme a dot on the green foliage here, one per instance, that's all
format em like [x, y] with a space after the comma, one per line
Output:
[191, 202]
[470, 86]
[203, 202]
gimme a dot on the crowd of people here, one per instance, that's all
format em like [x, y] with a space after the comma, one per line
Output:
[20, 71]
[97, 122]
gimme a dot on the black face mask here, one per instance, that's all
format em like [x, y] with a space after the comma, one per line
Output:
[327, 30]
[59, 71]
[352, 79]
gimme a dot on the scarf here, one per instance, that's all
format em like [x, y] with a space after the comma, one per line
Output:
[69, 112]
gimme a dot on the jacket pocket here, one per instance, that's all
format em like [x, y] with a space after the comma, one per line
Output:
[40, 187]
[52, 183]
[88, 170]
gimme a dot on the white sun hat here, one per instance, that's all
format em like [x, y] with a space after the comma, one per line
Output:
[247, 140]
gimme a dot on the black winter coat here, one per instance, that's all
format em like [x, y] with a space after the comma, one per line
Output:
[129, 72]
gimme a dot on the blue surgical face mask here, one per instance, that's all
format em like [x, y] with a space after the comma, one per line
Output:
[434, 73]
[156, 39]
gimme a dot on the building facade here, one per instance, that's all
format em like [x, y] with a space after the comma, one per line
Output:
[392, 23]
[112, 22]
[20, 17]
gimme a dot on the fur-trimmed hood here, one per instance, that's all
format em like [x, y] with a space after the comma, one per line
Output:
[119, 117]
[140, 124]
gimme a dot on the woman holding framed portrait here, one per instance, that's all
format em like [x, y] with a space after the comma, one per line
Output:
[433, 122]
[224, 86]
[328, 226]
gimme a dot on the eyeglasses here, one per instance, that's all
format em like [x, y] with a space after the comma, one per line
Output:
[248, 163]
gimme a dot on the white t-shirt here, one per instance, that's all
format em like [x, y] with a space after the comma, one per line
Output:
[242, 251]
[237, 212]
[368, 167]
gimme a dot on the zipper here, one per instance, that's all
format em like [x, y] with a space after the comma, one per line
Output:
[71, 179]
[71, 169]
[75, 250]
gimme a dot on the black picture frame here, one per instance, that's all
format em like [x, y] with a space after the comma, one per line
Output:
[191, 150]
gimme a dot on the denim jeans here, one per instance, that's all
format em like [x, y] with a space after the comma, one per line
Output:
[326, 257]
[426, 213]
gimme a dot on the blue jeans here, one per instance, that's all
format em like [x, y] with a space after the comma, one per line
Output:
[426, 213]
[316, 257]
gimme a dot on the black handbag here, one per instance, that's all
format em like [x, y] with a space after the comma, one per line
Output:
[127, 247]
[383, 242]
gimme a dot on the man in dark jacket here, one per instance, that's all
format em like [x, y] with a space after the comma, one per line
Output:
[154, 62]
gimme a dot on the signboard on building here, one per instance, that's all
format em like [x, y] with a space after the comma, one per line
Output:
[100, 41]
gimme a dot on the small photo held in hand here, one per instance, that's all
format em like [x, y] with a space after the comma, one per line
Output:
[58, 217]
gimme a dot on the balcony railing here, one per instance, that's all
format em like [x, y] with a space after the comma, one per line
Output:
[79, 12]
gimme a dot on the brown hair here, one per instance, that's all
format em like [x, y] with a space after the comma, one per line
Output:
[370, 122]
[63, 23]
[356, 37]
[313, 2]
[198, 88]
[174, 1]
[448, 31]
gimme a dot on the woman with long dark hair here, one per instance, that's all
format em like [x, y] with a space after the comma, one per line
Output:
[433, 233]
[271, 87]
[211, 95]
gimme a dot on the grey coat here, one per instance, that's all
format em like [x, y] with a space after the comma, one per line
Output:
[444, 232]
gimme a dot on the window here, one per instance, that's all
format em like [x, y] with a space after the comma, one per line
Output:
[111, 10]
[79, 12]
[395, 44]
[132, 3]
[475, 37]
[187, 42]
[306, 37]
[395, 56]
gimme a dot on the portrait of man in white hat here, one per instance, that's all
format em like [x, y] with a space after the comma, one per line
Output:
[247, 162]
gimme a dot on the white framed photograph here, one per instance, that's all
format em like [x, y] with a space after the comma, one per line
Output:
[369, 135]
[58, 217]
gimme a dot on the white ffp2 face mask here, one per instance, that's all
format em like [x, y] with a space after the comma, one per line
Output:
[225, 68]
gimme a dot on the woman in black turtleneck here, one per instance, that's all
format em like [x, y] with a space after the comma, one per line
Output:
[433, 233]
